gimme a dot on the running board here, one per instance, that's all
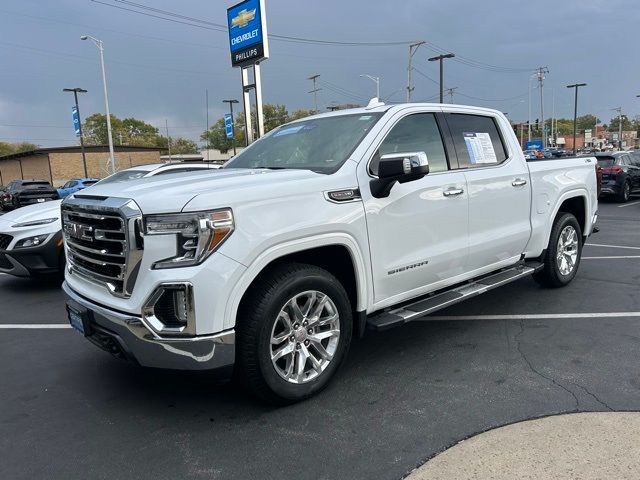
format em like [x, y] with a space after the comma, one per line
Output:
[398, 316]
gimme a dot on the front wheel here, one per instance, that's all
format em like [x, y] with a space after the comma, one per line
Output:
[562, 258]
[293, 332]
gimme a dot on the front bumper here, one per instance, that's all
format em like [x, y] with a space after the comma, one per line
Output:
[127, 336]
[26, 262]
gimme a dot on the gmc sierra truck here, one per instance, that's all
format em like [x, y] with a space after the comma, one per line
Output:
[323, 228]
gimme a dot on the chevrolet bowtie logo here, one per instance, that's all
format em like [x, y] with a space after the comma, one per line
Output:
[243, 18]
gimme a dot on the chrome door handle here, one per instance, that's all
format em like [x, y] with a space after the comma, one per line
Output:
[451, 192]
[519, 182]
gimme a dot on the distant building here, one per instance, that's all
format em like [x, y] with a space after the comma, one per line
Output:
[213, 155]
[59, 164]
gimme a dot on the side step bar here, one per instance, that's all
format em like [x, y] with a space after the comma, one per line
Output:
[398, 316]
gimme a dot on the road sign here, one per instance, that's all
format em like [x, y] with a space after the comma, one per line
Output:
[76, 120]
[247, 33]
[228, 125]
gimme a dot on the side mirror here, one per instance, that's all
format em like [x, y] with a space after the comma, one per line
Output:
[398, 167]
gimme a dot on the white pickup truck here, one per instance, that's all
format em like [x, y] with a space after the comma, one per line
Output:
[365, 218]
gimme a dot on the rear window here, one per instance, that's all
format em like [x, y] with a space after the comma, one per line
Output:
[90, 182]
[606, 161]
[477, 140]
[27, 184]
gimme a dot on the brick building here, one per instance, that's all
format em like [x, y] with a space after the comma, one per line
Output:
[59, 164]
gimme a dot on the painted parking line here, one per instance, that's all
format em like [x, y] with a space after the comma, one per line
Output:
[614, 257]
[534, 316]
[610, 246]
[34, 326]
[629, 204]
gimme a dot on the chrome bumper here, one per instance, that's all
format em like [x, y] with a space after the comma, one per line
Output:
[133, 339]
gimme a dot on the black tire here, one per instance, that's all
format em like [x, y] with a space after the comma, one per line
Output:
[551, 276]
[255, 322]
[625, 192]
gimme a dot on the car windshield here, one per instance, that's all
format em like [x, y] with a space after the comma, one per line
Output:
[123, 176]
[606, 161]
[319, 144]
[90, 182]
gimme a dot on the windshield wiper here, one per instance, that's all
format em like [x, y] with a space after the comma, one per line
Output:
[272, 168]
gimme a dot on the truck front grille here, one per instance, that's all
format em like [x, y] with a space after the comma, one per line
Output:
[103, 241]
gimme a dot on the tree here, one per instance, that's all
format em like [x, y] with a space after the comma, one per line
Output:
[586, 122]
[298, 114]
[129, 131]
[216, 137]
[181, 146]
[7, 148]
[614, 125]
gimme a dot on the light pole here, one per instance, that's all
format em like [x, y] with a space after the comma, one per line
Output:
[529, 118]
[412, 50]
[440, 58]
[233, 125]
[76, 91]
[98, 44]
[575, 112]
[374, 79]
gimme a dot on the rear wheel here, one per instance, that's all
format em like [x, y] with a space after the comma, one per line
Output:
[293, 332]
[625, 193]
[562, 258]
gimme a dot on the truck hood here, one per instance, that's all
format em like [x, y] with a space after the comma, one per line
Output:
[32, 213]
[172, 192]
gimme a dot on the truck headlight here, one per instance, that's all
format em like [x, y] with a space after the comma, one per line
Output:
[197, 234]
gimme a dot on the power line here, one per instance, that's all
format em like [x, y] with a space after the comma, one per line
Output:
[493, 99]
[422, 74]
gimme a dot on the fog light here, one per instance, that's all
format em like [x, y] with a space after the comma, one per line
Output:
[170, 310]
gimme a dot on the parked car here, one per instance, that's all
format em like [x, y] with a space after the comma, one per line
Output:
[30, 237]
[74, 185]
[3, 190]
[547, 153]
[530, 154]
[27, 192]
[370, 217]
[620, 174]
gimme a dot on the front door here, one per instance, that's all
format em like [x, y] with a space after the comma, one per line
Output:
[418, 234]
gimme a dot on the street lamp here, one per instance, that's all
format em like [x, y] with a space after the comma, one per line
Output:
[76, 91]
[233, 126]
[374, 79]
[440, 58]
[575, 112]
[98, 44]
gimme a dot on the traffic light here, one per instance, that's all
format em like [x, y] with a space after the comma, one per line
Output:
[537, 124]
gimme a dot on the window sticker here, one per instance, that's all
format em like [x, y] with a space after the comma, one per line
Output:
[289, 130]
[364, 117]
[480, 148]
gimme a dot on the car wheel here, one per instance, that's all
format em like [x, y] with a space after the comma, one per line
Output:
[293, 332]
[562, 257]
[625, 193]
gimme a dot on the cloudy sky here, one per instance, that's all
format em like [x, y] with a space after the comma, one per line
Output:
[159, 70]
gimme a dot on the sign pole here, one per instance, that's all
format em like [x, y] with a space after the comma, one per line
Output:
[258, 86]
[246, 99]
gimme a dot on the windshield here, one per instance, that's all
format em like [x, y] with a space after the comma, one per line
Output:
[90, 182]
[123, 176]
[320, 144]
[606, 161]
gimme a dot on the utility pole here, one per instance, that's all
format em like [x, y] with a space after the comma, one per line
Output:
[166, 126]
[529, 117]
[619, 110]
[540, 74]
[76, 91]
[575, 113]
[450, 92]
[206, 101]
[440, 58]
[412, 50]
[315, 91]
[233, 123]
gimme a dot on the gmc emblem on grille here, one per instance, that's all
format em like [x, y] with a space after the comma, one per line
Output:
[79, 231]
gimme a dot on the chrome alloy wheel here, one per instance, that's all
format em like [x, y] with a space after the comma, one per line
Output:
[305, 336]
[567, 252]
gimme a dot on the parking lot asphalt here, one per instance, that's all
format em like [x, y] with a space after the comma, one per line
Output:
[68, 410]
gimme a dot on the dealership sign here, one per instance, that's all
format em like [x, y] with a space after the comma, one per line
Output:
[247, 33]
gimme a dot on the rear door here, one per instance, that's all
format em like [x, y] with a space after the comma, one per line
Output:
[418, 234]
[633, 167]
[499, 190]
